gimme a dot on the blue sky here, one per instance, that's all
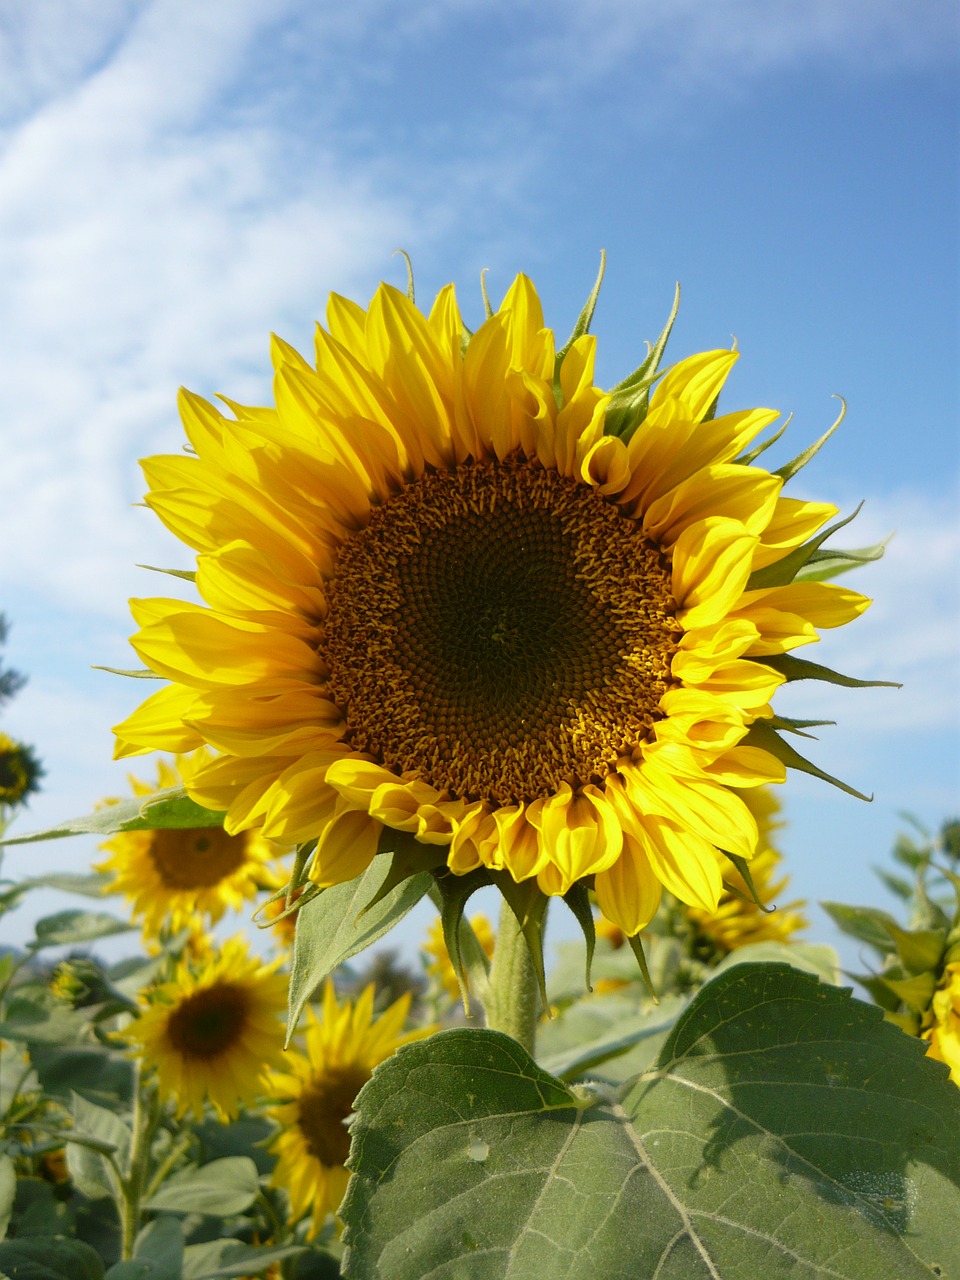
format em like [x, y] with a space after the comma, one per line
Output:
[177, 180]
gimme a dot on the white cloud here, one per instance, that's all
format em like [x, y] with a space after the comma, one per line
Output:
[143, 244]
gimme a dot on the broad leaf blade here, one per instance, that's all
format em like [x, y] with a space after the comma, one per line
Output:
[789, 1131]
[335, 926]
[220, 1188]
[164, 809]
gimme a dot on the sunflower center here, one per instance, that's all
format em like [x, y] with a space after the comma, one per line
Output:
[209, 1022]
[196, 859]
[497, 630]
[322, 1109]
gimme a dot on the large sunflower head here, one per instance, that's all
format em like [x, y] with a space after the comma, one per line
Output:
[314, 1097]
[452, 591]
[20, 771]
[213, 1030]
[178, 877]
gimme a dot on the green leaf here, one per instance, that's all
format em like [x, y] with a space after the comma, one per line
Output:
[334, 926]
[157, 1254]
[760, 734]
[41, 1019]
[812, 957]
[824, 566]
[8, 1191]
[49, 1258]
[88, 886]
[96, 1173]
[787, 1131]
[72, 927]
[790, 469]
[592, 1033]
[172, 808]
[868, 924]
[222, 1258]
[100, 1074]
[220, 1188]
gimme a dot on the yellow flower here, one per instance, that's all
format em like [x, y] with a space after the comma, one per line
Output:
[175, 877]
[440, 965]
[439, 599]
[315, 1095]
[738, 920]
[944, 1033]
[213, 1031]
[20, 771]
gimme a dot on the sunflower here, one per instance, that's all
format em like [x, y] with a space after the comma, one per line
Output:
[213, 1030]
[315, 1094]
[20, 771]
[744, 913]
[438, 963]
[175, 877]
[453, 589]
[943, 1033]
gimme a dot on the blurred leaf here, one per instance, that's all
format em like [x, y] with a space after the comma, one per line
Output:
[88, 886]
[812, 957]
[100, 1074]
[334, 926]
[8, 1191]
[163, 809]
[57, 1258]
[222, 1258]
[919, 949]
[244, 1137]
[41, 1018]
[157, 1254]
[95, 1173]
[592, 1031]
[788, 1129]
[72, 927]
[220, 1188]
[869, 924]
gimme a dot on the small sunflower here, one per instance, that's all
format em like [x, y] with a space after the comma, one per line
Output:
[176, 877]
[315, 1095]
[740, 918]
[453, 589]
[943, 1033]
[212, 1032]
[20, 771]
[440, 966]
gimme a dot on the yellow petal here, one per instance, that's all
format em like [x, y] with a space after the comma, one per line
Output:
[158, 724]
[346, 848]
[629, 892]
[746, 494]
[711, 565]
[694, 383]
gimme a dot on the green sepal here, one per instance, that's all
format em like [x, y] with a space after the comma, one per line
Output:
[408, 857]
[879, 989]
[406, 257]
[455, 892]
[790, 725]
[488, 309]
[188, 575]
[761, 735]
[578, 900]
[529, 904]
[908, 1022]
[745, 459]
[171, 809]
[784, 571]
[743, 866]
[141, 673]
[583, 323]
[802, 669]
[916, 992]
[824, 566]
[636, 946]
[790, 469]
[630, 398]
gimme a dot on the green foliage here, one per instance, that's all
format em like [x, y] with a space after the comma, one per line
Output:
[785, 1126]
[172, 808]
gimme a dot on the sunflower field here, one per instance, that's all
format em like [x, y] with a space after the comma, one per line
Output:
[464, 620]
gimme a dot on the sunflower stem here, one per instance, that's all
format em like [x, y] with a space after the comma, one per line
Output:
[146, 1116]
[512, 996]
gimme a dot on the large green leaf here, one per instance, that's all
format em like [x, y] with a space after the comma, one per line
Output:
[45, 1258]
[787, 1131]
[69, 928]
[172, 808]
[98, 1149]
[220, 1188]
[157, 1254]
[335, 926]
